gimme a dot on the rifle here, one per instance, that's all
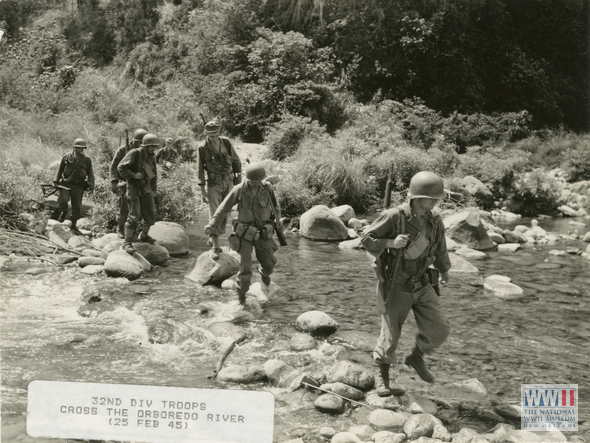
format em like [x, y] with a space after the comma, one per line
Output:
[388, 185]
[48, 190]
[273, 221]
[127, 139]
[203, 118]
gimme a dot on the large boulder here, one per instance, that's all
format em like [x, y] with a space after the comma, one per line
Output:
[110, 241]
[478, 190]
[206, 271]
[351, 374]
[344, 212]
[321, 223]
[60, 235]
[121, 264]
[155, 254]
[467, 228]
[172, 236]
[242, 374]
[316, 323]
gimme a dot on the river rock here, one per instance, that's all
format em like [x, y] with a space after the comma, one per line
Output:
[225, 329]
[320, 223]
[156, 254]
[206, 271]
[509, 411]
[94, 253]
[121, 264]
[332, 405]
[419, 425]
[92, 269]
[327, 432]
[478, 190]
[262, 293]
[363, 432]
[316, 323]
[568, 211]
[302, 342]
[351, 374]
[340, 437]
[79, 242]
[389, 420]
[470, 253]
[388, 437]
[460, 265]
[87, 261]
[496, 237]
[242, 374]
[280, 373]
[60, 235]
[452, 245]
[586, 237]
[472, 384]
[509, 247]
[343, 390]
[171, 236]
[425, 404]
[503, 289]
[390, 403]
[344, 213]
[355, 223]
[111, 240]
[351, 244]
[39, 270]
[65, 259]
[352, 234]
[466, 228]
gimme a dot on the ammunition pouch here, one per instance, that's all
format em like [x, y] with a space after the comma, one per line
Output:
[247, 232]
[234, 242]
[267, 231]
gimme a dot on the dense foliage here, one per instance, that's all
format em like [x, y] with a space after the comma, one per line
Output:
[343, 93]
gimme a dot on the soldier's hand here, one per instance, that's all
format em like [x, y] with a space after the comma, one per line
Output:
[115, 188]
[401, 241]
[204, 195]
[444, 278]
[55, 184]
[138, 175]
[208, 229]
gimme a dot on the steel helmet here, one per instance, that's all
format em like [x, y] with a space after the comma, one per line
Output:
[426, 184]
[255, 171]
[151, 140]
[213, 126]
[139, 134]
[79, 143]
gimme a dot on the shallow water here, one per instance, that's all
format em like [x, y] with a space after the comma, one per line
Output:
[543, 337]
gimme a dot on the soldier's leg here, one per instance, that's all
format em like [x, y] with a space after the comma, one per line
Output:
[132, 221]
[433, 329]
[77, 193]
[245, 273]
[265, 254]
[148, 212]
[63, 197]
[123, 209]
[398, 306]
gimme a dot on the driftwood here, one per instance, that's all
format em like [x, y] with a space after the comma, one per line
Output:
[29, 244]
[226, 353]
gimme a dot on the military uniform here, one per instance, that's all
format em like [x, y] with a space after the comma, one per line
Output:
[74, 175]
[217, 169]
[119, 181]
[256, 207]
[167, 155]
[140, 192]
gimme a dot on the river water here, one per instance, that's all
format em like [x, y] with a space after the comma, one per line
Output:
[543, 337]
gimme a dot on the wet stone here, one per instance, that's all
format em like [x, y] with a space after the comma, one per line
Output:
[330, 404]
[389, 420]
[343, 390]
[363, 432]
[242, 374]
[345, 437]
[351, 374]
[302, 342]
[390, 403]
[419, 425]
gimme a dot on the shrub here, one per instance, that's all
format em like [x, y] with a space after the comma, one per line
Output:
[177, 199]
[534, 193]
[285, 137]
[19, 192]
[578, 161]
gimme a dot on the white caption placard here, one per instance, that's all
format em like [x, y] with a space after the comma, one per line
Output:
[155, 414]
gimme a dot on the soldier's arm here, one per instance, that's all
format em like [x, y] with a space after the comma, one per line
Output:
[200, 167]
[154, 181]
[90, 173]
[124, 164]
[441, 255]
[60, 170]
[236, 163]
[116, 160]
[225, 207]
[375, 238]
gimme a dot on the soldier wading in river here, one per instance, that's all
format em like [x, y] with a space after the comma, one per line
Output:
[406, 240]
[119, 184]
[138, 167]
[74, 176]
[254, 227]
[218, 169]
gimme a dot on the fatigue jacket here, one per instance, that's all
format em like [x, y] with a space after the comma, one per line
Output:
[74, 170]
[139, 160]
[213, 162]
[167, 155]
[254, 207]
[386, 227]
[121, 152]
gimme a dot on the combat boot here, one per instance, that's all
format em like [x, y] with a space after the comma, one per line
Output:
[215, 248]
[382, 381]
[416, 361]
[128, 243]
[74, 228]
[242, 297]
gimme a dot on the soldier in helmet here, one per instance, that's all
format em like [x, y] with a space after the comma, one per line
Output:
[118, 183]
[257, 207]
[218, 169]
[405, 241]
[138, 167]
[74, 176]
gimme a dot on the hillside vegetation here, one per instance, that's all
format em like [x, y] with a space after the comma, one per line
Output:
[340, 92]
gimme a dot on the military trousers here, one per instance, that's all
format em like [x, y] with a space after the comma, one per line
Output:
[65, 195]
[217, 190]
[265, 249]
[432, 323]
[141, 205]
[123, 208]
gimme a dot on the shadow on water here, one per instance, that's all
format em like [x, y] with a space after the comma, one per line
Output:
[157, 330]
